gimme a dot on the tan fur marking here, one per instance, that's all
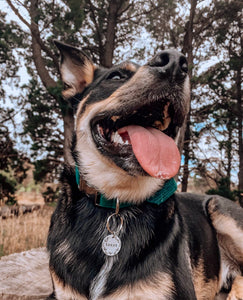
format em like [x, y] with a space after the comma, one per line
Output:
[80, 106]
[101, 172]
[230, 236]
[64, 292]
[129, 66]
[236, 292]
[160, 287]
[114, 181]
[68, 93]
[205, 289]
[76, 76]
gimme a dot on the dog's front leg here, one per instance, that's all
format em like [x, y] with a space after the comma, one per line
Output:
[236, 292]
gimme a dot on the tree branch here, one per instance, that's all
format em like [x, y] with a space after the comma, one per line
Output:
[35, 33]
[37, 56]
[15, 10]
[93, 18]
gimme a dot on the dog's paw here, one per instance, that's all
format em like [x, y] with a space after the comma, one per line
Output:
[236, 292]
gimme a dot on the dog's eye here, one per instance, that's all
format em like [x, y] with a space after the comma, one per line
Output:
[115, 76]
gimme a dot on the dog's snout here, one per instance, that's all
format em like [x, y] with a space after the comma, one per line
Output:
[171, 63]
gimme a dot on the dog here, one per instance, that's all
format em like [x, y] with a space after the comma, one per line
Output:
[119, 230]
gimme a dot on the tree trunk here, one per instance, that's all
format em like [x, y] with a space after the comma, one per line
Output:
[187, 139]
[48, 82]
[229, 150]
[110, 36]
[68, 121]
[187, 48]
[36, 48]
[240, 120]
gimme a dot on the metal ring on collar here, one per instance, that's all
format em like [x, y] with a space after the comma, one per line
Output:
[108, 225]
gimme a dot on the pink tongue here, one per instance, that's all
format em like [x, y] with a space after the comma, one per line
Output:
[156, 152]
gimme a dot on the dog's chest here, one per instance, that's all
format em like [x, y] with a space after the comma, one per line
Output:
[153, 262]
[138, 269]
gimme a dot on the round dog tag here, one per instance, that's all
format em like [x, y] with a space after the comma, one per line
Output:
[111, 245]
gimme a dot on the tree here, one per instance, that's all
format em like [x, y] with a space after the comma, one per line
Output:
[104, 28]
[224, 80]
[45, 129]
[177, 31]
[11, 160]
[12, 168]
[45, 59]
[107, 25]
[196, 34]
[10, 38]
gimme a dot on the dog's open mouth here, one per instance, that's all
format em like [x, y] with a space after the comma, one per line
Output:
[146, 132]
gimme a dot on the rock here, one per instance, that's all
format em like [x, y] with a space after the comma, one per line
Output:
[25, 276]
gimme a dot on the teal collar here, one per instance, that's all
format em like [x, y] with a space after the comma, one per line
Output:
[77, 175]
[159, 197]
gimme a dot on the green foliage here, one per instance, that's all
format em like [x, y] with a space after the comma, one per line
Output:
[50, 195]
[1, 250]
[42, 167]
[215, 33]
[68, 20]
[223, 189]
[11, 161]
[216, 93]
[76, 13]
[12, 168]
[7, 188]
[42, 122]
[57, 92]
[11, 37]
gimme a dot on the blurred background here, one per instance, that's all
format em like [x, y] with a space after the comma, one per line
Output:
[36, 123]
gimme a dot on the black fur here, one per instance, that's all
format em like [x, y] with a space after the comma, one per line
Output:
[182, 238]
[151, 242]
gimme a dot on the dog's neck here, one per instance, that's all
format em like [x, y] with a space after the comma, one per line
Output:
[158, 198]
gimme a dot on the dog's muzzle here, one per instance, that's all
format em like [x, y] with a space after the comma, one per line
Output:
[149, 108]
[170, 64]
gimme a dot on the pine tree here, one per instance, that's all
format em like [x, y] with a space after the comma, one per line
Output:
[224, 80]
[12, 170]
[107, 25]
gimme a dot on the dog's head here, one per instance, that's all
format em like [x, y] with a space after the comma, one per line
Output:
[127, 119]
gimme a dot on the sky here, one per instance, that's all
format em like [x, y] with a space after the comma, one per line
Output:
[141, 40]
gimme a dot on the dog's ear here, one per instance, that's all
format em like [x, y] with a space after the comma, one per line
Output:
[77, 69]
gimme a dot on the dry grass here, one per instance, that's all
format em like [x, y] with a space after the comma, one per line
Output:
[25, 232]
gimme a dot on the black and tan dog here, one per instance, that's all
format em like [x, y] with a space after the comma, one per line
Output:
[123, 233]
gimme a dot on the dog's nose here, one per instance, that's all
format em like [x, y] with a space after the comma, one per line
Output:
[170, 63]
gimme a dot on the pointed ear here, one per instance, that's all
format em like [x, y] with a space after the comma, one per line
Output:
[77, 69]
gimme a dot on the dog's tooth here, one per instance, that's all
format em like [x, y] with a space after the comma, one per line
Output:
[119, 139]
[100, 130]
[116, 138]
